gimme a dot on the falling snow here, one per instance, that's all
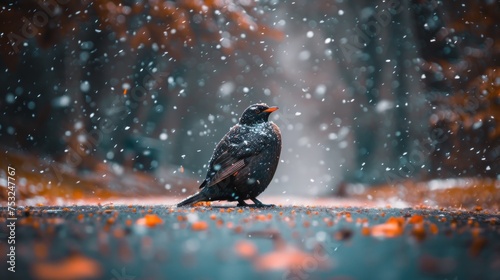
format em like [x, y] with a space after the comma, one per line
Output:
[369, 94]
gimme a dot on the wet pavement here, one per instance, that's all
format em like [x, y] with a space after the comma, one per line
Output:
[219, 242]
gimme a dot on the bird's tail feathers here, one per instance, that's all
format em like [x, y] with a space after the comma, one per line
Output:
[193, 199]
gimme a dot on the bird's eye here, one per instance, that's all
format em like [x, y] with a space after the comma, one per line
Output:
[257, 111]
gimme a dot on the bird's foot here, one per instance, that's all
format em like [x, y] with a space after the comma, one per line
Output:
[259, 204]
[262, 205]
[242, 203]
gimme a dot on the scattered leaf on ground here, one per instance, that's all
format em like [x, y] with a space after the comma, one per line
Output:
[150, 220]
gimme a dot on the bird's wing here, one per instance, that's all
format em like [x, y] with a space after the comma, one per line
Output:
[227, 166]
[230, 156]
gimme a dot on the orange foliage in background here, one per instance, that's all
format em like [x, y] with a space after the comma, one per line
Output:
[462, 69]
[171, 27]
[471, 119]
[475, 107]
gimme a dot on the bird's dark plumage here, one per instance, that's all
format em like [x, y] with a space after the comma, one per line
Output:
[244, 161]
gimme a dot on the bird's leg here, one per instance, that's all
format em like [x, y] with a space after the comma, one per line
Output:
[260, 204]
[241, 202]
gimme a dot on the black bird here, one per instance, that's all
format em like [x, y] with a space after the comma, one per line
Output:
[244, 161]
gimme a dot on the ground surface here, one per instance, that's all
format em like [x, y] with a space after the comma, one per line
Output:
[218, 242]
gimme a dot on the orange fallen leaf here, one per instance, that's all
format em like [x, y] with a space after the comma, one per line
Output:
[73, 267]
[286, 256]
[434, 228]
[288, 259]
[261, 217]
[418, 231]
[219, 222]
[329, 222]
[245, 249]
[493, 221]
[416, 219]
[453, 224]
[55, 221]
[280, 260]
[393, 227]
[199, 226]
[475, 232]
[149, 220]
[128, 222]
[202, 203]
[80, 217]
[365, 230]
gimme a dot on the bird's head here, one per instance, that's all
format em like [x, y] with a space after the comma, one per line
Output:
[257, 113]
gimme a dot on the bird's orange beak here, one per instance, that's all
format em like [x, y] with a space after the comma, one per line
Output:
[271, 109]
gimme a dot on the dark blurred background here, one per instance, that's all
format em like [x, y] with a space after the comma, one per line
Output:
[134, 95]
